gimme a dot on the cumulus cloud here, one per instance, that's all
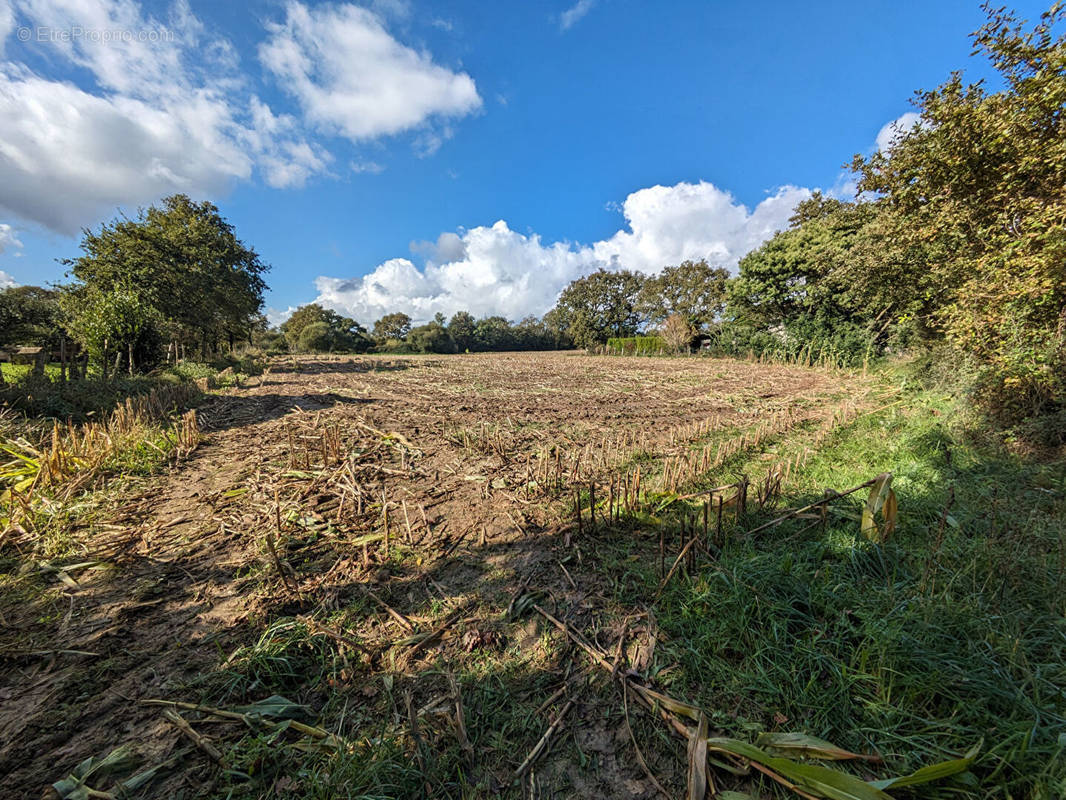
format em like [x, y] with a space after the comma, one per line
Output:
[573, 15]
[7, 22]
[8, 239]
[669, 224]
[896, 128]
[6, 281]
[496, 270]
[168, 113]
[351, 77]
[169, 108]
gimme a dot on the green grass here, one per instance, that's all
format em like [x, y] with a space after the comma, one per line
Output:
[947, 635]
[15, 372]
[915, 649]
[950, 633]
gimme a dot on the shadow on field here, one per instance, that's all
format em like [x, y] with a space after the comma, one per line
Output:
[354, 364]
[223, 412]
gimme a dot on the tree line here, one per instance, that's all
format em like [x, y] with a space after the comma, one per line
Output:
[955, 246]
[174, 281]
[958, 242]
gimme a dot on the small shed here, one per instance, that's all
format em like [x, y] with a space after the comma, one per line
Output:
[27, 355]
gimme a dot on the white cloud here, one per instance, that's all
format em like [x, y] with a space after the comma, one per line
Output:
[168, 108]
[168, 114]
[573, 15]
[67, 157]
[495, 270]
[8, 238]
[6, 281]
[7, 22]
[372, 167]
[275, 317]
[897, 127]
[669, 224]
[352, 78]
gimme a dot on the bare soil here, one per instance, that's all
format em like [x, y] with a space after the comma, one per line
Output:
[310, 462]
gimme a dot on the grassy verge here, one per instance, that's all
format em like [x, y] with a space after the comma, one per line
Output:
[949, 633]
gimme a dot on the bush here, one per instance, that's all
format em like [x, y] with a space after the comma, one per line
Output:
[398, 346]
[638, 346]
[431, 338]
[316, 338]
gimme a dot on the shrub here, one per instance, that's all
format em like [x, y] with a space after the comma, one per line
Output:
[638, 346]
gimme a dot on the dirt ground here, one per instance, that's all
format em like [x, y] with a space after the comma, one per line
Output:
[396, 497]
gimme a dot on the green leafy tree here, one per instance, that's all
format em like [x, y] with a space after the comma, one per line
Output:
[316, 337]
[693, 289]
[461, 329]
[494, 334]
[117, 325]
[185, 263]
[30, 315]
[980, 185]
[600, 306]
[341, 333]
[431, 338]
[392, 326]
[533, 334]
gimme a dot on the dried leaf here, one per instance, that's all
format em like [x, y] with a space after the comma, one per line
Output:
[697, 760]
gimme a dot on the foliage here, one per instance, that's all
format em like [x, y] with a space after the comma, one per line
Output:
[693, 289]
[29, 315]
[313, 328]
[493, 333]
[392, 326]
[184, 264]
[431, 338]
[836, 264]
[600, 306]
[637, 345]
[114, 322]
[461, 329]
[980, 184]
[678, 332]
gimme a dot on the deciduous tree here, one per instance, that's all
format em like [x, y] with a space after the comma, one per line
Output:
[599, 306]
[693, 289]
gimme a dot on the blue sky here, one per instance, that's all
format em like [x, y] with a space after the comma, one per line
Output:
[423, 157]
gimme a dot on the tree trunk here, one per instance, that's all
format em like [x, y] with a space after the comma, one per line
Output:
[63, 359]
[103, 361]
[129, 350]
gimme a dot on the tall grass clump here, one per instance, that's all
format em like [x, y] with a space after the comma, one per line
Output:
[950, 633]
[43, 467]
[637, 346]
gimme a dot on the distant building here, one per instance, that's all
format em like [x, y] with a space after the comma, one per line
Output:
[28, 355]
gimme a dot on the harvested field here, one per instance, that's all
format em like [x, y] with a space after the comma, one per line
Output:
[377, 541]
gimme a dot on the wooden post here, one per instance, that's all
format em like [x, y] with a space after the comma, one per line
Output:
[577, 508]
[718, 522]
[592, 505]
